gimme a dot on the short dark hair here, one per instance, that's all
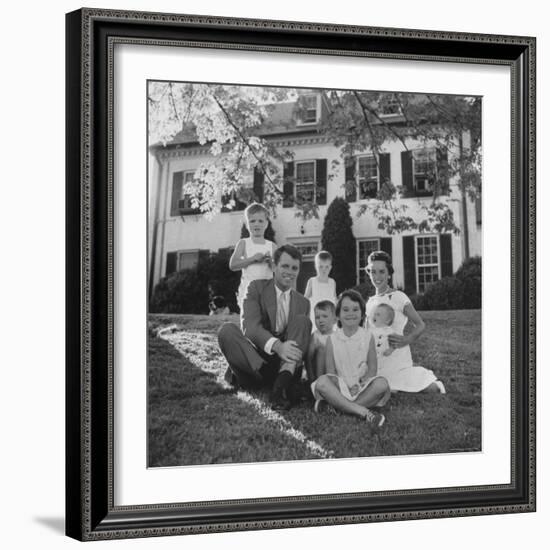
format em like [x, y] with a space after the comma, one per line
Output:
[380, 256]
[218, 301]
[323, 255]
[290, 249]
[325, 305]
[354, 296]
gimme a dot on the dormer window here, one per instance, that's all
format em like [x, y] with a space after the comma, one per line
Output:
[391, 107]
[310, 109]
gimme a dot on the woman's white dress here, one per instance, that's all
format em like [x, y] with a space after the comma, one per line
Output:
[397, 368]
[255, 271]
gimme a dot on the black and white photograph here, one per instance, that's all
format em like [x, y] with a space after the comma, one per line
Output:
[314, 273]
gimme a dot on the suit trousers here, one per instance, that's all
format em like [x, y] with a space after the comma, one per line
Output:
[251, 366]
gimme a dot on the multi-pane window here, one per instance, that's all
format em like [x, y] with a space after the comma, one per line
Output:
[427, 261]
[184, 203]
[390, 107]
[187, 260]
[240, 198]
[364, 248]
[367, 176]
[310, 109]
[305, 181]
[424, 169]
[308, 250]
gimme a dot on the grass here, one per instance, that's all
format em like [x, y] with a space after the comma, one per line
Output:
[195, 418]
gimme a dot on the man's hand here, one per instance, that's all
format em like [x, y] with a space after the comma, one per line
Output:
[288, 351]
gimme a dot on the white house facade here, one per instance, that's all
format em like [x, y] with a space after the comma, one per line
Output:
[178, 234]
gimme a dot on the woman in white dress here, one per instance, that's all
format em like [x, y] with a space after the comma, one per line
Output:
[397, 367]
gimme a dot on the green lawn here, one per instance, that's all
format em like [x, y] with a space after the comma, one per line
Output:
[195, 418]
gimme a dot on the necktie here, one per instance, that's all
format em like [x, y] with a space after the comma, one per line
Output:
[282, 312]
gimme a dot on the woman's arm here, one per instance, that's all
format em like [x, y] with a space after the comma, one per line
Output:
[398, 340]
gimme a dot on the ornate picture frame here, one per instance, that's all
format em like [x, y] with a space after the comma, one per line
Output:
[91, 509]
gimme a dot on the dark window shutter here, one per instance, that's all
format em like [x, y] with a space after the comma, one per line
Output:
[171, 262]
[442, 171]
[258, 184]
[384, 165]
[351, 184]
[409, 264]
[407, 173]
[321, 181]
[203, 256]
[386, 246]
[478, 210]
[177, 183]
[446, 253]
[288, 184]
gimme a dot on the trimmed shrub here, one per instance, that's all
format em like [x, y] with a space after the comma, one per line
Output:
[190, 290]
[337, 237]
[462, 291]
[366, 290]
[185, 291]
[221, 280]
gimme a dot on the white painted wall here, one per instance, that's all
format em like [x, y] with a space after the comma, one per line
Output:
[192, 232]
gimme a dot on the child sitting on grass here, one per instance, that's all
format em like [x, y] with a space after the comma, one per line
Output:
[325, 320]
[351, 383]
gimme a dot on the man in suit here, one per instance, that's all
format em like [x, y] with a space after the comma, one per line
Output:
[275, 330]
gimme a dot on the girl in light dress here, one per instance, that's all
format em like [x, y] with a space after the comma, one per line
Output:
[321, 287]
[253, 255]
[350, 383]
[397, 368]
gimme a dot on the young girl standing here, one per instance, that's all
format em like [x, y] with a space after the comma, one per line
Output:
[253, 255]
[398, 367]
[351, 384]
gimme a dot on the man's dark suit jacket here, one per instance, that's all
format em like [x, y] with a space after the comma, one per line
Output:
[258, 318]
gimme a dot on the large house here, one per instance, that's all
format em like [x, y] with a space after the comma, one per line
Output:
[178, 233]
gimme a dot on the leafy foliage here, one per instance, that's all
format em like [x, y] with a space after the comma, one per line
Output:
[229, 122]
[190, 290]
[337, 238]
[462, 291]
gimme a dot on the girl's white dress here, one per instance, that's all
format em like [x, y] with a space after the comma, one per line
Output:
[397, 368]
[350, 360]
[255, 271]
[319, 292]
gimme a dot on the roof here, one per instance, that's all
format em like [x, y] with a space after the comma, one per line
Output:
[281, 120]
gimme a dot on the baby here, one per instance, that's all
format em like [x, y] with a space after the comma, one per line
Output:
[381, 328]
[325, 319]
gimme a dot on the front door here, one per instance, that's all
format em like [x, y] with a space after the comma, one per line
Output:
[307, 269]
